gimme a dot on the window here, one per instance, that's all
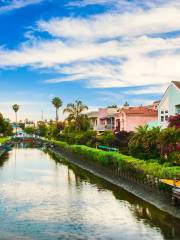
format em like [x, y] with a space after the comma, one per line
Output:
[166, 111]
[162, 112]
[162, 118]
[178, 109]
[166, 117]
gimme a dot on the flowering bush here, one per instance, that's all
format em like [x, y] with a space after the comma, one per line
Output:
[174, 121]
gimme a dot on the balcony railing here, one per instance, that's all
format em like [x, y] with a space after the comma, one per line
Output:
[104, 127]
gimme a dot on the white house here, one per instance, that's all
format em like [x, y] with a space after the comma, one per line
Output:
[169, 104]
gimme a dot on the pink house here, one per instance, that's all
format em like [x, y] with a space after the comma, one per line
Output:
[106, 119]
[124, 119]
[128, 118]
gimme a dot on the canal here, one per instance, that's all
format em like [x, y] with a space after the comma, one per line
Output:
[41, 198]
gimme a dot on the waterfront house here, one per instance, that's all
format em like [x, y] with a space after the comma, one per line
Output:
[169, 104]
[123, 119]
[128, 118]
[106, 119]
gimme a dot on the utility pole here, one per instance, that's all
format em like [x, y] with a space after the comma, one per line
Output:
[42, 116]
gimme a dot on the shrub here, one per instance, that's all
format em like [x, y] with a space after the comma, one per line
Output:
[107, 138]
[117, 161]
[76, 137]
[174, 157]
[148, 143]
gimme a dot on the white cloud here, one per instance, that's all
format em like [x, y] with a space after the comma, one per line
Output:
[112, 25]
[125, 4]
[126, 56]
[52, 53]
[16, 4]
[93, 63]
[158, 89]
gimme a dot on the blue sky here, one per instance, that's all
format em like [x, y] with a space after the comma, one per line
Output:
[99, 51]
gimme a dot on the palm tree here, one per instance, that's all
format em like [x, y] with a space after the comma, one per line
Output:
[75, 112]
[57, 102]
[16, 108]
[140, 135]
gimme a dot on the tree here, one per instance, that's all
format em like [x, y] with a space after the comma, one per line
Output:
[5, 126]
[57, 102]
[75, 111]
[55, 129]
[42, 129]
[16, 108]
[169, 140]
[144, 142]
[30, 130]
[113, 106]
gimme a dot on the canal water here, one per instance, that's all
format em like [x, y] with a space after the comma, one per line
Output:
[41, 198]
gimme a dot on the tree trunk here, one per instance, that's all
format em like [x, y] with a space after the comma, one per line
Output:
[57, 115]
[16, 122]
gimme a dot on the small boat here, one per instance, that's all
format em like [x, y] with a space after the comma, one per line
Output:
[171, 182]
[175, 184]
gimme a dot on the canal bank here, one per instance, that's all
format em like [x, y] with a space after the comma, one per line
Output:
[157, 199]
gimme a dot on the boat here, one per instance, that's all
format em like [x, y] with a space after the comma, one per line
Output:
[171, 182]
[175, 184]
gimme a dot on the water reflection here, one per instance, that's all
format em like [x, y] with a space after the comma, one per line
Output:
[43, 199]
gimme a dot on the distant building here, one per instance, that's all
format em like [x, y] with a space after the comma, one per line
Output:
[169, 104]
[29, 124]
[17, 129]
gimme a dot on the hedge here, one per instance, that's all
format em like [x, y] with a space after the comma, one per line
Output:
[120, 162]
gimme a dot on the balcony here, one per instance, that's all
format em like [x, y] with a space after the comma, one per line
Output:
[102, 128]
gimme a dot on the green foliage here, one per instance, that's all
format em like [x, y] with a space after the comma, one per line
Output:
[148, 143]
[174, 157]
[55, 129]
[76, 137]
[84, 123]
[3, 140]
[5, 127]
[169, 135]
[119, 161]
[57, 103]
[107, 138]
[42, 130]
[15, 107]
[30, 130]
[113, 106]
[75, 114]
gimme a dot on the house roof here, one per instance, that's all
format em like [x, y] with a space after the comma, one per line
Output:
[93, 114]
[177, 83]
[139, 111]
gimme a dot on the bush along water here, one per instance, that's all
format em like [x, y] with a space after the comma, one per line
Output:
[146, 172]
[155, 143]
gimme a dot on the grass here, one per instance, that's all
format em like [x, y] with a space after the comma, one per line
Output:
[3, 140]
